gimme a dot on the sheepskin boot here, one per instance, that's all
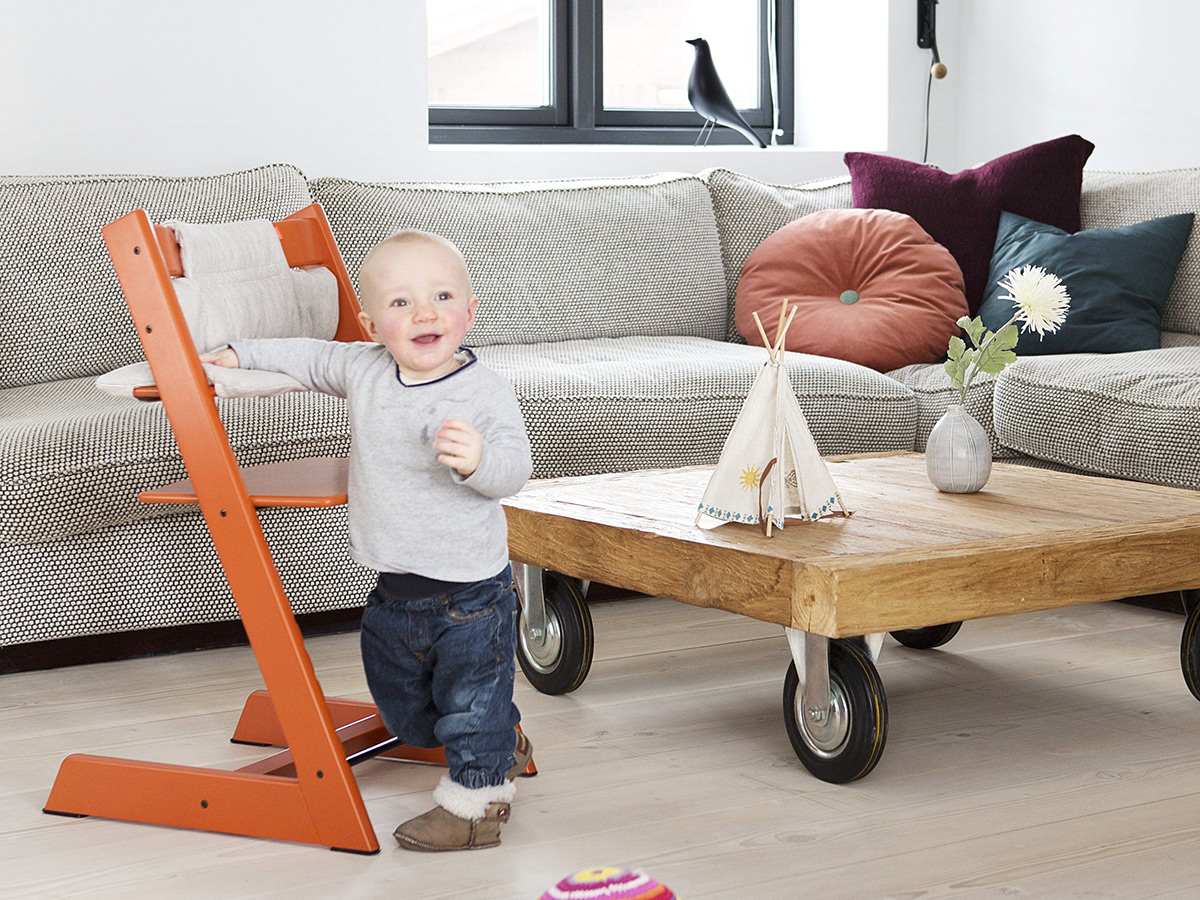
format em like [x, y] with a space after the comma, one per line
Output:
[464, 819]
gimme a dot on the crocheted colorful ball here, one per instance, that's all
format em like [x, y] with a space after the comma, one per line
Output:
[608, 883]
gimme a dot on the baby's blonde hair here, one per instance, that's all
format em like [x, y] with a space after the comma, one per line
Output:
[404, 238]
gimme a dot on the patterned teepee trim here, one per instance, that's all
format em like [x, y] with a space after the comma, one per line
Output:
[829, 506]
[727, 515]
[609, 883]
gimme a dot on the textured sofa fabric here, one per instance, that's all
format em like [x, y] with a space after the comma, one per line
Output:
[607, 405]
[61, 310]
[554, 261]
[79, 457]
[1128, 415]
[164, 572]
[1180, 339]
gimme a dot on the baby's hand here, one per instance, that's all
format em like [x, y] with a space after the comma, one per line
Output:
[459, 446]
[225, 357]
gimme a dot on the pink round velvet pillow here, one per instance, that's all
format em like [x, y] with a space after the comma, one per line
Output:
[869, 286]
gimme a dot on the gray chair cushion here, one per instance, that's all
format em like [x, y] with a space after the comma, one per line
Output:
[557, 260]
[1129, 415]
[934, 395]
[73, 459]
[61, 310]
[748, 211]
[1112, 199]
[607, 405]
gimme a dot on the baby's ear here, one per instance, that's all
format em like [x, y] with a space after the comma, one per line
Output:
[471, 305]
[368, 325]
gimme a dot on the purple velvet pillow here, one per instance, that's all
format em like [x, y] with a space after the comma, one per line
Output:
[962, 212]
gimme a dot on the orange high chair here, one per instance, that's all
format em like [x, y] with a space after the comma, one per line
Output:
[305, 792]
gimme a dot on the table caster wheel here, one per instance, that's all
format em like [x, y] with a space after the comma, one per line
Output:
[1189, 651]
[927, 638]
[560, 663]
[850, 742]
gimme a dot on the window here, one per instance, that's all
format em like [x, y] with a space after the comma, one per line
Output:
[602, 71]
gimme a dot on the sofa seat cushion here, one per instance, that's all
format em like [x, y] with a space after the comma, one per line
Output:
[73, 459]
[1128, 415]
[62, 314]
[608, 405]
[935, 394]
[554, 260]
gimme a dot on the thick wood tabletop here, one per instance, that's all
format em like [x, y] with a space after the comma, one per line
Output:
[909, 556]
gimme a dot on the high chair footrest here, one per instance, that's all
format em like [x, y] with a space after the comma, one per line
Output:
[316, 482]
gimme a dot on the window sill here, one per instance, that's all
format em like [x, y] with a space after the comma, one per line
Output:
[711, 149]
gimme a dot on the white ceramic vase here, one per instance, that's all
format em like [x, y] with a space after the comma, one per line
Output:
[958, 454]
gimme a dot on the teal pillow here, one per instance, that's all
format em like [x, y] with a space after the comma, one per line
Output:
[1118, 279]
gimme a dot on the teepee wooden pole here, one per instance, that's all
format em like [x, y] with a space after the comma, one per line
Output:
[784, 330]
[762, 331]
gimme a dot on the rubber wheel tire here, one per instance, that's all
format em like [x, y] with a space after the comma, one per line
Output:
[569, 624]
[1189, 652]
[927, 638]
[853, 675]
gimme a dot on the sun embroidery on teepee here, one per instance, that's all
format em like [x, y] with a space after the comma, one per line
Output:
[749, 479]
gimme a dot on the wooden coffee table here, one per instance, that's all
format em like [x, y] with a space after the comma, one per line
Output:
[910, 561]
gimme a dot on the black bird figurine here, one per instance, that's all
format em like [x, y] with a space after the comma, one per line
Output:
[709, 97]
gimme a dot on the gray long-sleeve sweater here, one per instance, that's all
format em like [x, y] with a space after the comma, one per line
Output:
[407, 511]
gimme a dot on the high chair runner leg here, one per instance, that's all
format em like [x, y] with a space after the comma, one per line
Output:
[259, 725]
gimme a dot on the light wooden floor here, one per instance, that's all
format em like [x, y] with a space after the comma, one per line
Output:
[1051, 755]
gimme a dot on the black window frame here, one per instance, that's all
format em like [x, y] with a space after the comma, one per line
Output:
[576, 114]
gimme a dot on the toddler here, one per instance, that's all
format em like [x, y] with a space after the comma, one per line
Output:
[437, 440]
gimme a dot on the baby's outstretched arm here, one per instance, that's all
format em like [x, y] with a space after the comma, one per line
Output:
[326, 366]
[225, 357]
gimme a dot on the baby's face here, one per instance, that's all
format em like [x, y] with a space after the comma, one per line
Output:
[417, 302]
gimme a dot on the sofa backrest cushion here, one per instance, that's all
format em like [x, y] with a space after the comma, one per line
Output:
[748, 211]
[62, 314]
[1113, 199]
[557, 260]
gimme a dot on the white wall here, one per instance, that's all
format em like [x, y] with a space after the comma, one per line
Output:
[1122, 74]
[218, 85]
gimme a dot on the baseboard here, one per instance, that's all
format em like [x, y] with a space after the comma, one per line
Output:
[95, 648]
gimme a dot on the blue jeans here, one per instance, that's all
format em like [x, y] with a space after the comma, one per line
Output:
[439, 659]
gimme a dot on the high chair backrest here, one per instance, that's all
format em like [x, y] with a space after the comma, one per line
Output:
[145, 277]
[306, 241]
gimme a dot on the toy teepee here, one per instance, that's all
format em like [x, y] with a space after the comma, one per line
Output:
[770, 467]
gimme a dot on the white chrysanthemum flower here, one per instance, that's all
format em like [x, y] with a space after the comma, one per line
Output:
[1040, 297]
